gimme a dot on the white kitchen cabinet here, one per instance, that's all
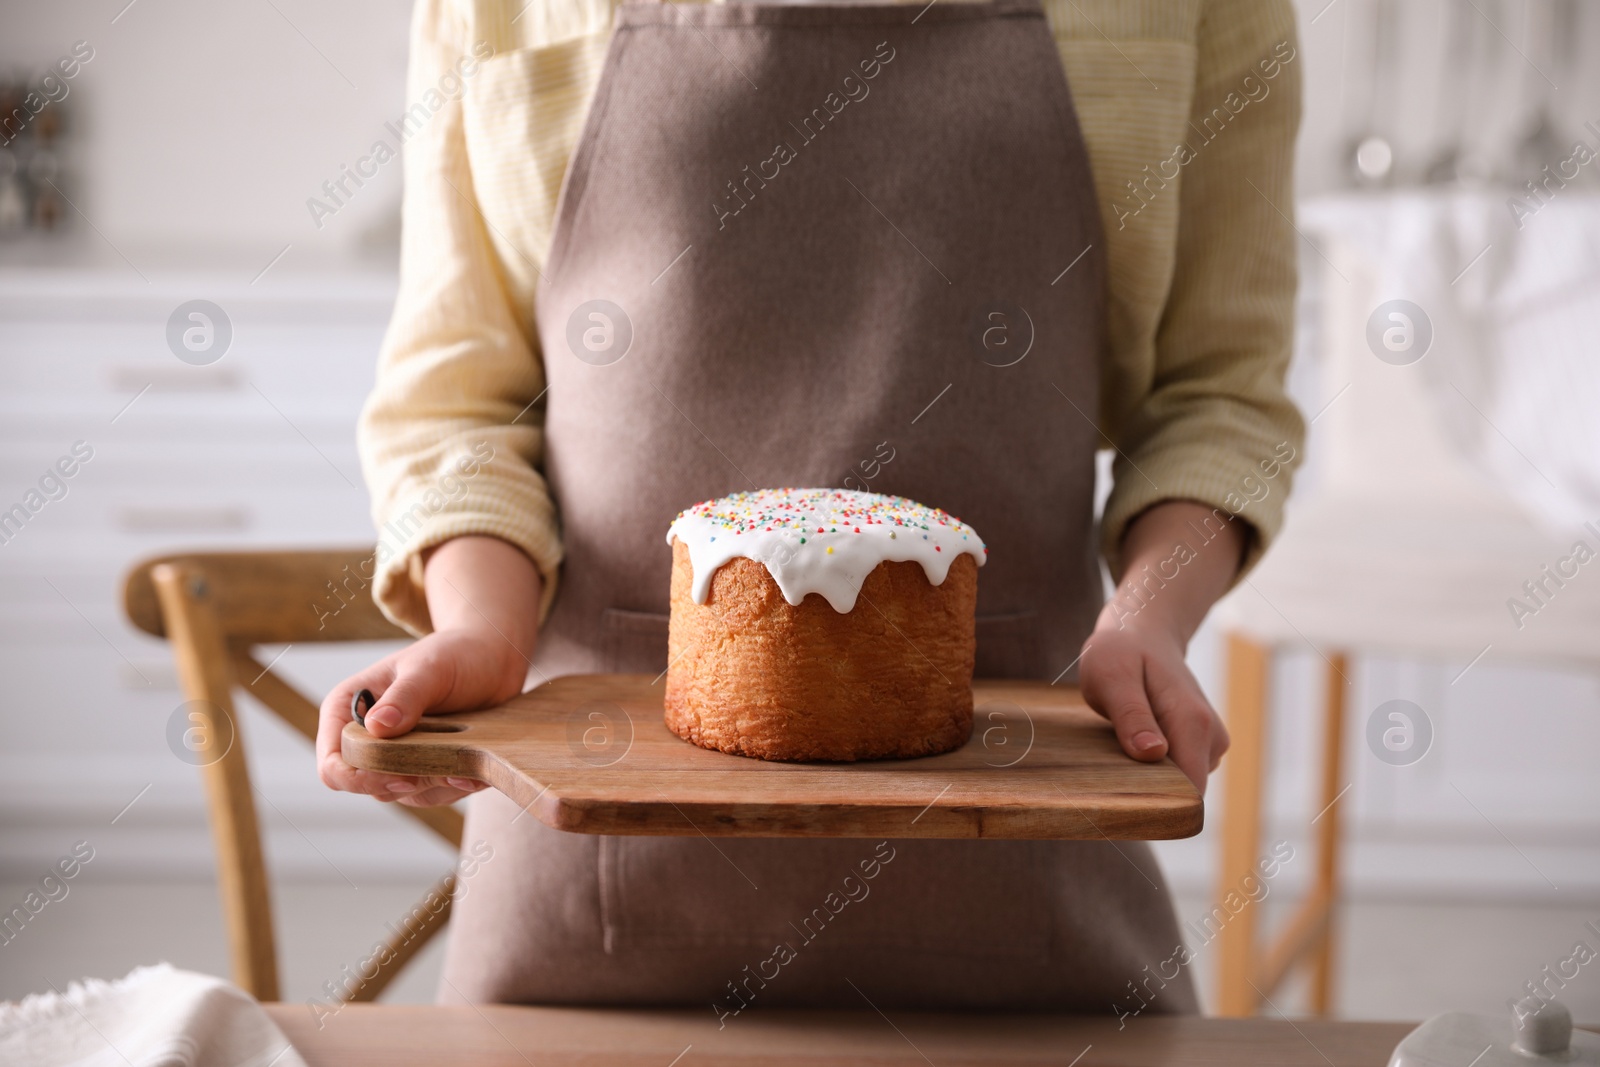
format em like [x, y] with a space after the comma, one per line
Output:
[254, 450]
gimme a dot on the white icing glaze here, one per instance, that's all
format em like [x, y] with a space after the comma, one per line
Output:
[822, 541]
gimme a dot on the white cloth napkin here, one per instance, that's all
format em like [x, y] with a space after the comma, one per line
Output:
[155, 1017]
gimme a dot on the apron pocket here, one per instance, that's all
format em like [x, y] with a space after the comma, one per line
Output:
[1008, 645]
[978, 899]
[635, 641]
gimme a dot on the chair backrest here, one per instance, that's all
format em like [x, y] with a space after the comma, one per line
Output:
[273, 598]
[213, 607]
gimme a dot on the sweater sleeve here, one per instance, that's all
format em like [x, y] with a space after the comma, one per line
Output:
[1216, 425]
[451, 436]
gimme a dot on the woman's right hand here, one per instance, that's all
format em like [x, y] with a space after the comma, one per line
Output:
[483, 596]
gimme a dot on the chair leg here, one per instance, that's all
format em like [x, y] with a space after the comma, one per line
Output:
[1328, 832]
[1248, 667]
[204, 668]
[426, 918]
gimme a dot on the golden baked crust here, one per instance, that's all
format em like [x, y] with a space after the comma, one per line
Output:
[751, 674]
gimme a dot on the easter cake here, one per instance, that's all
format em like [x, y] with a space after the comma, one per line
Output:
[821, 624]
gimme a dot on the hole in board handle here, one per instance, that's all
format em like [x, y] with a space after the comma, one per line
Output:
[435, 726]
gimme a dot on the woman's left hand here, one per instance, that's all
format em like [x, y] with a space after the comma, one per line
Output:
[1178, 558]
[1136, 677]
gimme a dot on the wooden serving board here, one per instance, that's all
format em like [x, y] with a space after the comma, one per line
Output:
[591, 754]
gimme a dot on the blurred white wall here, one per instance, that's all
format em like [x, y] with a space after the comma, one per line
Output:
[206, 126]
[1473, 74]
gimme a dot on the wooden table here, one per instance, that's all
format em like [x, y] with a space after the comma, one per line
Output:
[499, 1036]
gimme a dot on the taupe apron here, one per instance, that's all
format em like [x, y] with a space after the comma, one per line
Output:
[820, 245]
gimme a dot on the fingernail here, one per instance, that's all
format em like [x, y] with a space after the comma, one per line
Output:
[1145, 740]
[402, 787]
[463, 783]
[386, 717]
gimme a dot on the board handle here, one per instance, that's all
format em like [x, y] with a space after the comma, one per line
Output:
[438, 746]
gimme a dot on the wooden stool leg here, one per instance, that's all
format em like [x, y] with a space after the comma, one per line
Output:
[1328, 831]
[1246, 710]
[207, 676]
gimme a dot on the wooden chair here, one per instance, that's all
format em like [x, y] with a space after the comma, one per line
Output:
[1246, 974]
[213, 607]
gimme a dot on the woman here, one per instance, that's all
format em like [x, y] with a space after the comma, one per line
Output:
[797, 244]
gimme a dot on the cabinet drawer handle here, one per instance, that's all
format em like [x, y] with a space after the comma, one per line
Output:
[132, 377]
[182, 520]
